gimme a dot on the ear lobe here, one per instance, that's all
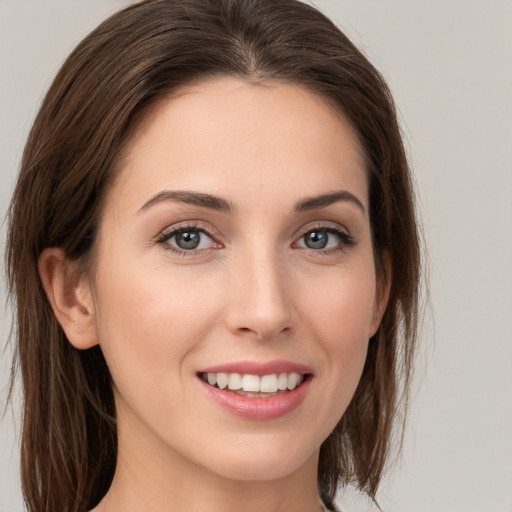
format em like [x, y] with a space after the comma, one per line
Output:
[382, 294]
[70, 299]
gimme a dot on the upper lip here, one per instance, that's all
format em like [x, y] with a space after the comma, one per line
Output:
[259, 368]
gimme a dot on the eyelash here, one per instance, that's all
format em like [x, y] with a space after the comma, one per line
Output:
[347, 240]
[168, 234]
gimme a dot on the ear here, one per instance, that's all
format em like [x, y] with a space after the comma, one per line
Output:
[383, 287]
[70, 298]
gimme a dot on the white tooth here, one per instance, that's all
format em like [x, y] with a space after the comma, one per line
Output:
[235, 381]
[251, 383]
[269, 383]
[212, 379]
[222, 380]
[293, 380]
[282, 381]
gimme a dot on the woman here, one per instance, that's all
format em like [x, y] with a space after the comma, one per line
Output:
[214, 259]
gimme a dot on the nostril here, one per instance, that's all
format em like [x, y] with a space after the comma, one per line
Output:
[262, 334]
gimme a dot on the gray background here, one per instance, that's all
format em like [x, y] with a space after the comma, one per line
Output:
[449, 66]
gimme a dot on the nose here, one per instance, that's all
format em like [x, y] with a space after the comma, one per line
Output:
[260, 303]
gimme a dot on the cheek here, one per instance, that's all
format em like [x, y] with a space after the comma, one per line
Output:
[342, 305]
[341, 313]
[149, 321]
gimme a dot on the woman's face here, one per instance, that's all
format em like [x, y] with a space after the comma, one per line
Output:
[235, 246]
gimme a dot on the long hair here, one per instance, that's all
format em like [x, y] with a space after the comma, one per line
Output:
[146, 51]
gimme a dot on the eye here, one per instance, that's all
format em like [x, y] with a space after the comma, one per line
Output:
[187, 239]
[326, 239]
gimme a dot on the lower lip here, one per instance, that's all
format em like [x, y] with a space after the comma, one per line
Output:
[265, 408]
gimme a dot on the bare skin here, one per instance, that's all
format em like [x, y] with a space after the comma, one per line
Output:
[267, 281]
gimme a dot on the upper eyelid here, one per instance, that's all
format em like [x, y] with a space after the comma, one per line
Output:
[214, 234]
[168, 234]
[339, 231]
[211, 232]
[323, 224]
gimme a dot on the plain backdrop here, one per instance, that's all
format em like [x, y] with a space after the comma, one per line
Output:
[448, 64]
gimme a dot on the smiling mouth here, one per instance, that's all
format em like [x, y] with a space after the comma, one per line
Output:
[255, 386]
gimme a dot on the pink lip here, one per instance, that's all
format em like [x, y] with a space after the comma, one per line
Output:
[266, 408]
[255, 368]
[256, 408]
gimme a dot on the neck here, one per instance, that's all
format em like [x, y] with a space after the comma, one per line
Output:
[135, 488]
[155, 478]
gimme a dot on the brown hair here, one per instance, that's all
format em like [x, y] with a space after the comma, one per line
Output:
[147, 50]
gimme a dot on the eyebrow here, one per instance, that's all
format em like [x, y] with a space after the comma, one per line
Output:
[323, 200]
[219, 204]
[195, 198]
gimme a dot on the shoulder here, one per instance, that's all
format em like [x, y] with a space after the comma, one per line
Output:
[329, 506]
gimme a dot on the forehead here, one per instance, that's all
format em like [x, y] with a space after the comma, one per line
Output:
[229, 137]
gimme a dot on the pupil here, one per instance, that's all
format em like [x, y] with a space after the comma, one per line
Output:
[316, 239]
[187, 239]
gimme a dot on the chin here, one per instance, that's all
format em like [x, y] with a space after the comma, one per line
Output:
[264, 463]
